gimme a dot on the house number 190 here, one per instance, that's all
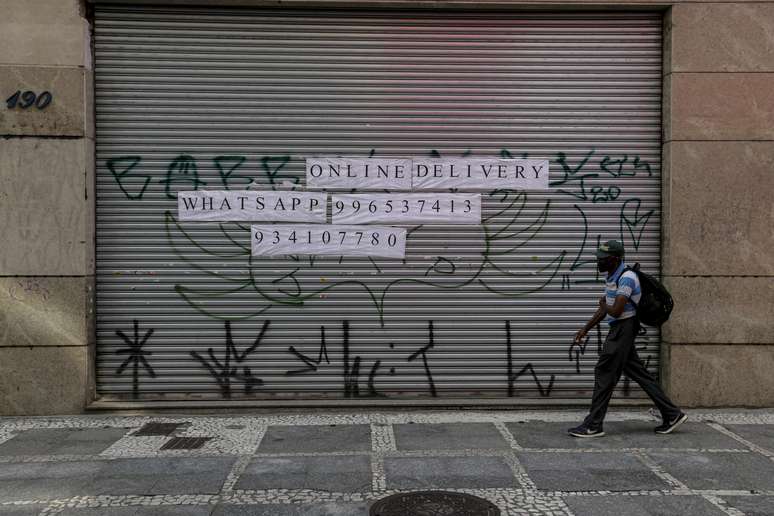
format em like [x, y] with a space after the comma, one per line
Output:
[27, 99]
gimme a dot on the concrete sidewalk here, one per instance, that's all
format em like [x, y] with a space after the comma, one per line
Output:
[720, 462]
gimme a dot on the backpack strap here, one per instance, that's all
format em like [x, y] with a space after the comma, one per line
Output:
[634, 270]
[627, 268]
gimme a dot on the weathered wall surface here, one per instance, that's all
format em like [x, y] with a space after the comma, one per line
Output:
[46, 169]
[718, 200]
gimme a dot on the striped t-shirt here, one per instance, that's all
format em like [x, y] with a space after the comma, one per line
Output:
[628, 286]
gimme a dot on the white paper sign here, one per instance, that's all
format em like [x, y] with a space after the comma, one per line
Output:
[406, 208]
[284, 239]
[246, 205]
[360, 173]
[479, 174]
[427, 173]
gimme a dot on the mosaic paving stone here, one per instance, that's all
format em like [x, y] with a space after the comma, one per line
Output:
[447, 472]
[316, 438]
[752, 505]
[577, 471]
[47, 480]
[718, 470]
[448, 436]
[317, 509]
[21, 510]
[124, 478]
[762, 435]
[229, 439]
[166, 510]
[641, 506]
[61, 441]
[622, 434]
[332, 473]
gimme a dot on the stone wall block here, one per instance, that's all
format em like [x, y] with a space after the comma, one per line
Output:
[722, 376]
[62, 117]
[43, 207]
[666, 203]
[719, 217]
[721, 310]
[90, 215]
[44, 33]
[666, 109]
[722, 37]
[43, 380]
[722, 106]
[41, 311]
[666, 31]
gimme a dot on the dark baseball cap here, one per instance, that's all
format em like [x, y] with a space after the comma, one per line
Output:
[611, 248]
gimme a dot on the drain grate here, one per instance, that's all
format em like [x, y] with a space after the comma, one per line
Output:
[185, 443]
[149, 429]
[433, 503]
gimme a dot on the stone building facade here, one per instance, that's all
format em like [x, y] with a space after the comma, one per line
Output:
[717, 202]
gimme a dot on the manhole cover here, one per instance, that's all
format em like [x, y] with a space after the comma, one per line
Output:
[433, 503]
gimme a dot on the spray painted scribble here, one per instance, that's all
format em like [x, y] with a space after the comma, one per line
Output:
[311, 365]
[226, 369]
[544, 390]
[121, 168]
[136, 356]
[423, 353]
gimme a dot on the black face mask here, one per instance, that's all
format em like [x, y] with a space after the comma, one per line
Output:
[605, 264]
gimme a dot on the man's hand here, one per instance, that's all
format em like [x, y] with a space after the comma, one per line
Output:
[603, 303]
[580, 335]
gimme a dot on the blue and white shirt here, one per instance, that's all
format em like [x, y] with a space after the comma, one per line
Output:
[628, 286]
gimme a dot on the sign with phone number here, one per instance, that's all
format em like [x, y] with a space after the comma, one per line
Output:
[406, 209]
[328, 240]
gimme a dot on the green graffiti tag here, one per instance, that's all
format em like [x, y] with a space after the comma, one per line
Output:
[633, 221]
[183, 169]
[618, 168]
[572, 178]
[272, 165]
[226, 166]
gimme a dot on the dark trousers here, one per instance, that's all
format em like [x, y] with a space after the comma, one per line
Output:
[619, 355]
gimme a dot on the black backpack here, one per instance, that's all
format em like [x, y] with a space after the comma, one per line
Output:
[656, 303]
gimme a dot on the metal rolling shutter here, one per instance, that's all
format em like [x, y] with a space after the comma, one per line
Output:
[226, 96]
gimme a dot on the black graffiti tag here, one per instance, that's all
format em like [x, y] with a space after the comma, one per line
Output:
[122, 170]
[311, 365]
[136, 356]
[512, 377]
[423, 351]
[352, 372]
[579, 349]
[226, 369]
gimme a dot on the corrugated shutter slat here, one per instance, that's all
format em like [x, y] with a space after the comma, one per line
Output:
[189, 92]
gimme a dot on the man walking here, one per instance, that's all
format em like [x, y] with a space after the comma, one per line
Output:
[619, 307]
